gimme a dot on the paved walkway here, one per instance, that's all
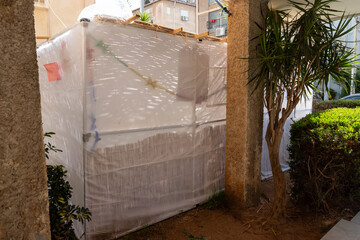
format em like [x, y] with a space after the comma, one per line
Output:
[345, 230]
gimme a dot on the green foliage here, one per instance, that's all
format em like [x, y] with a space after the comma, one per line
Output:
[145, 17]
[192, 237]
[345, 91]
[62, 213]
[304, 50]
[295, 54]
[218, 200]
[48, 146]
[325, 158]
[323, 105]
[332, 94]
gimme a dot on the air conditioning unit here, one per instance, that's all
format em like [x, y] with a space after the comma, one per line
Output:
[220, 32]
[184, 18]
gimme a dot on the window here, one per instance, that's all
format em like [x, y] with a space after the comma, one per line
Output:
[217, 21]
[168, 11]
[184, 15]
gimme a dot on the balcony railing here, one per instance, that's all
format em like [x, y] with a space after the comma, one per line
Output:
[213, 26]
[189, 2]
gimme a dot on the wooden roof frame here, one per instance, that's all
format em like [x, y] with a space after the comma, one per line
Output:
[133, 21]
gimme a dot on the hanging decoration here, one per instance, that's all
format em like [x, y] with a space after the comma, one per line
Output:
[53, 71]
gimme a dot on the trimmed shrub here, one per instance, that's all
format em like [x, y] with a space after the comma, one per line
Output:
[323, 105]
[325, 158]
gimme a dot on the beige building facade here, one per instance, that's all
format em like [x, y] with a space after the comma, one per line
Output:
[195, 16]
[52, 16]
[172, 13]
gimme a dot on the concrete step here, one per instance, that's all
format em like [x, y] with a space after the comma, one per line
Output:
[356, 219]
[343, 230]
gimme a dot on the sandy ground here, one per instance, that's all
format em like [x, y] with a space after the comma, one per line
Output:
[203, 223]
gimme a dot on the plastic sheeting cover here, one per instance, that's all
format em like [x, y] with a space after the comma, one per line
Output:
[140, 116]
[136, 149]
[62, 105]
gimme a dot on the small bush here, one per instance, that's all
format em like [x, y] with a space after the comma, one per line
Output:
[325, 158]
[62, 212]
[323, 105]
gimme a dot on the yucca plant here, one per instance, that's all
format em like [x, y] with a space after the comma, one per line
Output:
[144, 16]
[295, 54]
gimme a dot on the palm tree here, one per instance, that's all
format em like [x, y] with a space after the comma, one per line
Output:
[295, 54]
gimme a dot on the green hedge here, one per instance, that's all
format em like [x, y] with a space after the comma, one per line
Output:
[323, 105]
[325, 158]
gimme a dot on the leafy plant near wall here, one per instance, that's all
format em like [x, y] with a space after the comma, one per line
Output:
[144, 16]
[295, 54]
[62, 213]
[48, 146]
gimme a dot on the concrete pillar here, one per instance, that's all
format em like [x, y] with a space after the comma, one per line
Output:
[23, 196]
[244, 117]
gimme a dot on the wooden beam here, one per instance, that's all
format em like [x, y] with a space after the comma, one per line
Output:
[209, 11]
[175, 31]
[143, 23]
[197, 36]
[132, 18]
[223, 39]
[42, 37]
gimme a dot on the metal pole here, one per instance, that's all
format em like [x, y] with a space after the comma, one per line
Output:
[197, 17]
[353, 71]
[142, 6]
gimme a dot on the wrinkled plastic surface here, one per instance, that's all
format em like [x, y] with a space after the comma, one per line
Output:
[143, 140]
[62, 106]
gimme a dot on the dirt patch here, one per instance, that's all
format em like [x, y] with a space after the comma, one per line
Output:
[251, 224]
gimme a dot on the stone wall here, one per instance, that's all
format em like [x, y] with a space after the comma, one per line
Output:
[244, 109]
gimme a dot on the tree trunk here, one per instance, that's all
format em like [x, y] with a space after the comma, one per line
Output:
[278, 212]
[24, 203]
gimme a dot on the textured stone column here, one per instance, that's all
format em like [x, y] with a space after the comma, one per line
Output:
[23, 197]
[244, 117]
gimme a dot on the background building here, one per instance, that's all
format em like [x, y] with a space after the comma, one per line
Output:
[172, 13]
[196, 16]
[52, 17]
[211, 18]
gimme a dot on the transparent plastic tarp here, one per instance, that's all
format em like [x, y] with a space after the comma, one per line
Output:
[140, 117]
